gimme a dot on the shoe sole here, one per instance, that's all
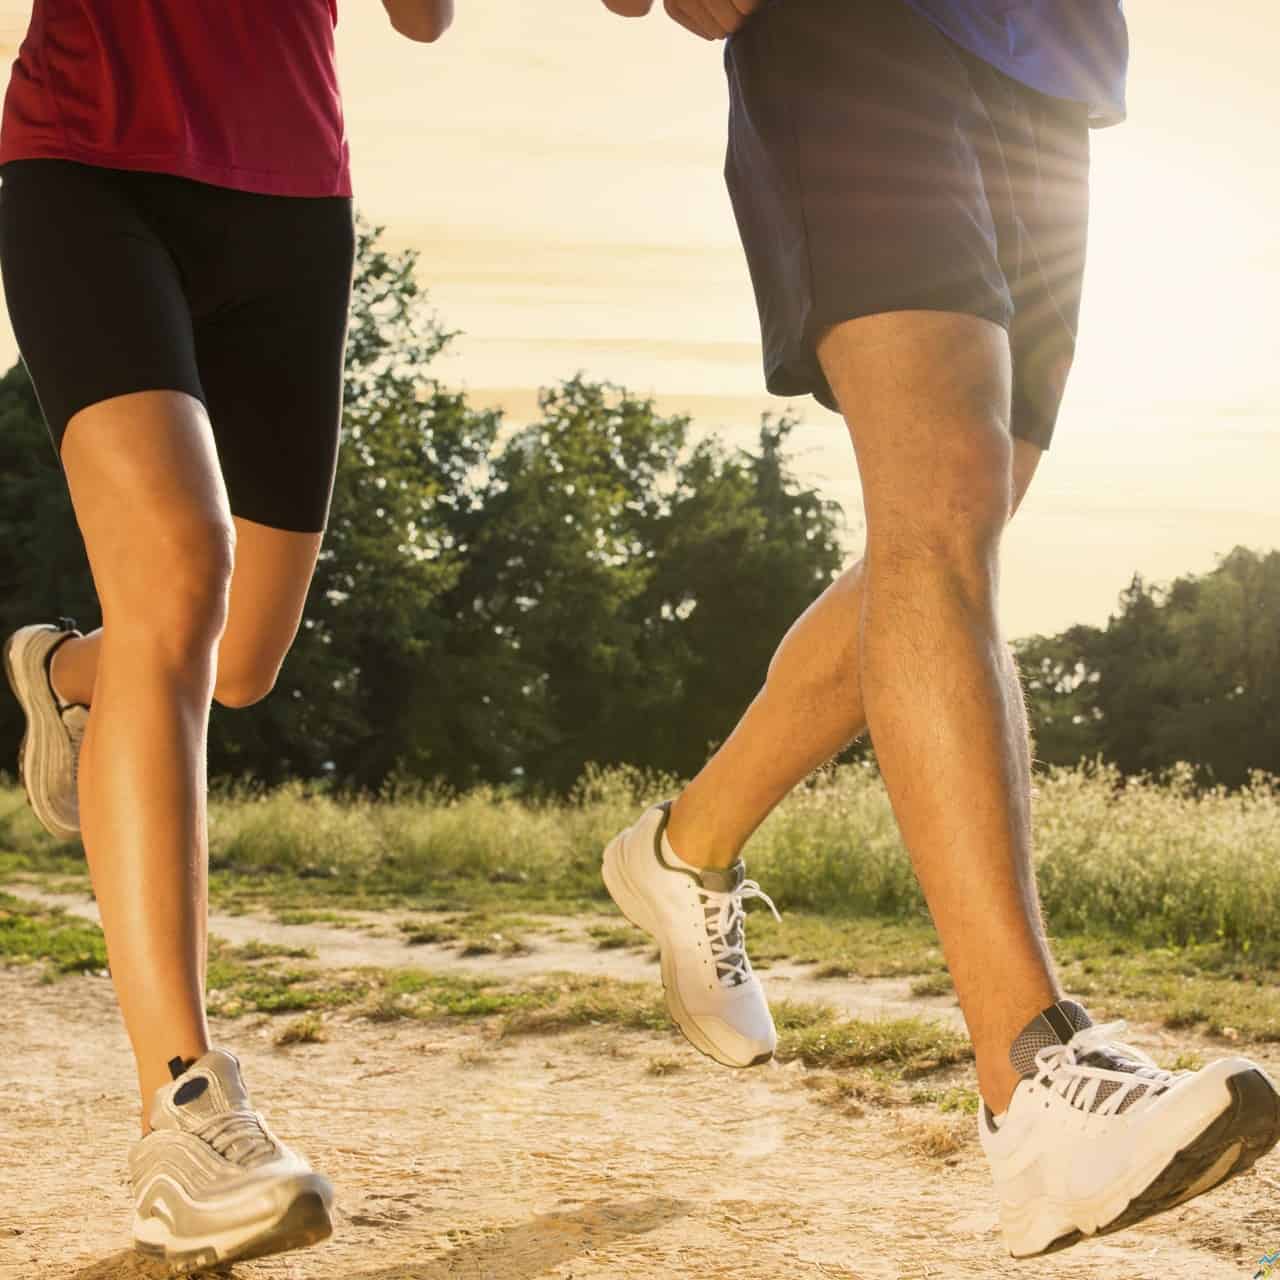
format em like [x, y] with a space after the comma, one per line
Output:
[630, 904]
[1232, 1144]
[35, 749]
[305, 1222]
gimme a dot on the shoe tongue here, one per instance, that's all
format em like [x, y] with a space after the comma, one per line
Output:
[1056, 1025]
[723, 879]
[210, 1086]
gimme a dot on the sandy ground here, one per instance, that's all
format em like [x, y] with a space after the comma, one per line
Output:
[456, 1154]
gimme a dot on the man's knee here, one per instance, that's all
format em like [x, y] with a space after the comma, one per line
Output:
[954, 511]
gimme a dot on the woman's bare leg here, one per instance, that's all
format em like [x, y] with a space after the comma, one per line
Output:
[177, 579]
[150, 502]
[273, 570]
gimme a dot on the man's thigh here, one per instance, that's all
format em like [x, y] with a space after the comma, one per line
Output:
[926, 395]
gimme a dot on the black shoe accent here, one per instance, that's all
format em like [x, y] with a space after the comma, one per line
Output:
[68, 628]
[180, 1066]
[1251, 1123]
[306, 1222]
[194, 1088]
[1060, 1024]
[1063, 1242]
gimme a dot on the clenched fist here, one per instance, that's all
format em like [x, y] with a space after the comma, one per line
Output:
[710, 19]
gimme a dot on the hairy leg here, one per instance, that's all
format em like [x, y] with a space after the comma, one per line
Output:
[150, 502]
[926, 396]
[908, 640]
[809, 710]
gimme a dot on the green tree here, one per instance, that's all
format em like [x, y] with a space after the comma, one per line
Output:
[1184, 673]
[362, 692]
[43, 569]
[489, 605]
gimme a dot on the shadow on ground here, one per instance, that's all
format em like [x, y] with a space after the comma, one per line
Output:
[518, 1252]
[532, 1248]
[127, 1265]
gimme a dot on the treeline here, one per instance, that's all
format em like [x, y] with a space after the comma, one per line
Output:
[491, 605]
[499, 605]
[1184, 672]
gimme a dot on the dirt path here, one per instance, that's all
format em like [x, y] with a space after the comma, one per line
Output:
[571, 950]
[458, 1155]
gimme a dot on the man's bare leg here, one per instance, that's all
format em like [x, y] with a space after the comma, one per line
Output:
[809, 709]
[926, 395]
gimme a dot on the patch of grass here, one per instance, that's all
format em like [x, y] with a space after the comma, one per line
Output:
[494, 944]
[842, 947]
[664, 1066]
[938, 1139]
[287, 915]
[257, 950]
[308, 1029]
[574, 1002]
[1155, 860]
[850, 1095]
[30, 932]
[956, 1099]
[911, 1046]
[1207, 987]
[611, 937]
[933, 984]
[476, 933]
[417, 934]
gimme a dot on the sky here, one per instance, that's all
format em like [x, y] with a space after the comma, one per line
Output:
[559, 171]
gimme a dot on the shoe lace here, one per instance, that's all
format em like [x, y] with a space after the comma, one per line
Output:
[725, 917]
[1100, 1074]
[239, 1136]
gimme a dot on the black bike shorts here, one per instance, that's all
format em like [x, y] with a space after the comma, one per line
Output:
[119, 282]
[874, 165]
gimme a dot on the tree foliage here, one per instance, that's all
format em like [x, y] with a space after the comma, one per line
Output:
[506, 605]
[1188, 672]
[491, 604]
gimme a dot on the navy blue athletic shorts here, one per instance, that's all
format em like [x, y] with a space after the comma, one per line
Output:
[874, 165]
[120, 281]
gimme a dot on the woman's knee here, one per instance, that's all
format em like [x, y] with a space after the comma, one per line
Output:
[170, 592]
[241, 685]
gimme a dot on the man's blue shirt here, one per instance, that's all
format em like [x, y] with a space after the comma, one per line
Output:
[1077, 49]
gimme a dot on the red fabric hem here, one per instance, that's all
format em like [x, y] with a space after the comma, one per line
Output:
[259, 182]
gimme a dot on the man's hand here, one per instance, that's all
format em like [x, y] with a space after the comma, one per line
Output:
[629, 8]
[422, 20]
[712, 19]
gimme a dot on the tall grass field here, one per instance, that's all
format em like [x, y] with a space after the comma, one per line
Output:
[1156, 860]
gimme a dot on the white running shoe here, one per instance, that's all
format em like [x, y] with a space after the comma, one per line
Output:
[212, 1183]
[1098, 1137]
[696, 917]
[49, 758]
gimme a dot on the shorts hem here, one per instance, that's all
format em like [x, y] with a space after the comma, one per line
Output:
[801, 373]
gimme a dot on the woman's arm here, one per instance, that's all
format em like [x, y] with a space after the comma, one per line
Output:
[422, 20]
